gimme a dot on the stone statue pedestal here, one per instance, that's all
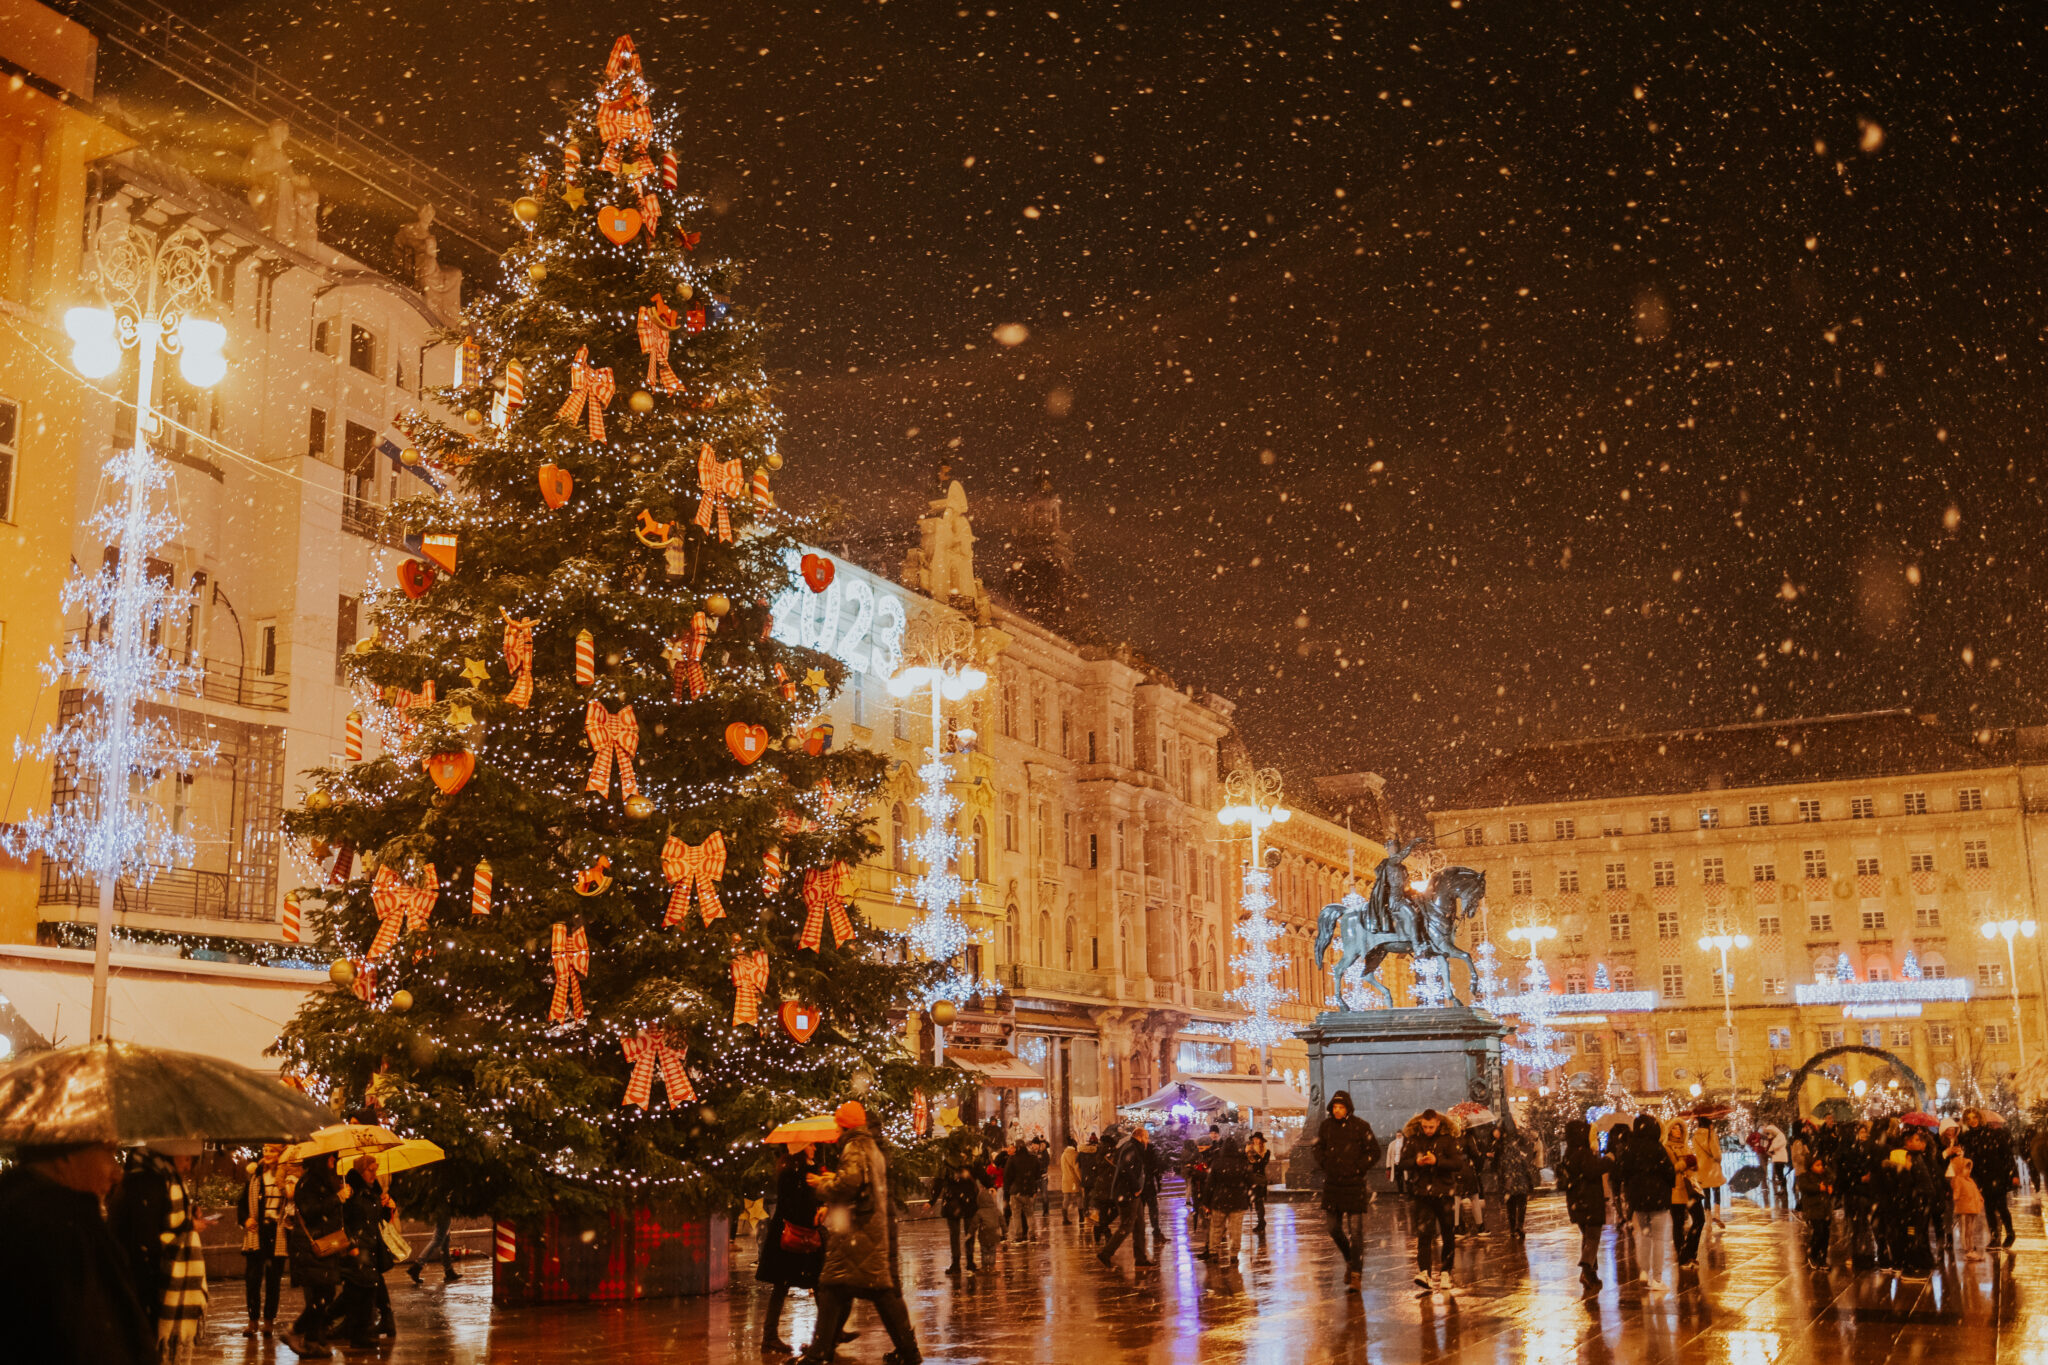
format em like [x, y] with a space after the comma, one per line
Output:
[1399, 1062]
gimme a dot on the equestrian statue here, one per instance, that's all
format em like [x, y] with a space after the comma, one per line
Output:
[1398, 919]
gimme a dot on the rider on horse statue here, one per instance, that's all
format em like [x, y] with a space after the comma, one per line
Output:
[1390, 909]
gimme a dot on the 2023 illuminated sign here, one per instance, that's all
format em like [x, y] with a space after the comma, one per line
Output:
[851, 620]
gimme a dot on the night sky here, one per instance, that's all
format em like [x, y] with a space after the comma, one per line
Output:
[1429, 380]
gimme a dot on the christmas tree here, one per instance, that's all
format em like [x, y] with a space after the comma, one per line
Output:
[604, 838]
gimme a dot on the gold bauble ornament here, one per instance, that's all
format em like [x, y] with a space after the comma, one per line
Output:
[317, 799]
[685, 292]
[408, 456]
[401, 1001]
[536, 272]
[718, 604]
[639, 807]
[474, 417]
[774, 460]
[342, 972]
[943, 1012]
[641, 401]
[526, 208]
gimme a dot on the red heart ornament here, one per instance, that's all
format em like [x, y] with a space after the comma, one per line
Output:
[451, 772]
[747, 742]
[415, 577]
[799, 1020]
[621, 225]
[555, 484]
[817, 571]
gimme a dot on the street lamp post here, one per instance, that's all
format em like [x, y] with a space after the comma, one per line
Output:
[149, 285]
[1722, 943]
[2008, 929]
[1253, 800]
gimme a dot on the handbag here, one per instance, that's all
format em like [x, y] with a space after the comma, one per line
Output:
[394, 1241]
[333, 1244]
[801, 1240]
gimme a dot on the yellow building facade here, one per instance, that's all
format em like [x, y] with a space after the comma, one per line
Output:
[48, 140]
[1859, 856]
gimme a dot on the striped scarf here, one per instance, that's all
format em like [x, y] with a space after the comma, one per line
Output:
[266, 1202]
[184, 1301]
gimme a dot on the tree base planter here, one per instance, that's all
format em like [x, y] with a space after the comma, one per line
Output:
[606, 1256]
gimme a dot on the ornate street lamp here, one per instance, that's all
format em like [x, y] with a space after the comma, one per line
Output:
[2008, 929]
[1252, 799]
[1721, 943]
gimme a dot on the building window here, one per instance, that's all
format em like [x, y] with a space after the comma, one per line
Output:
[1814, 862]
[1774, 985]
[1941, 1035]
[1664, 872]
[1866, 867]
[1575, 982]
[1710, 817]
[347, 621]
[899, 837]
[1610, 827]
[1617, 876]
[1719, 984]
[1624, 978]
[1674, 1038]
[1121, 861]
[1862, 808]
[10, 437]
[1673, 980]
[323, 336]
[977, 852]
[1618, 926]
[362, 349]
[1809, 810]
[1998, 1035]
[1713, 871]
[1873, 919]
[1759, 814]
[900, 725]
[1091, 743]
[1590, 1044]
[1475, 835]
[1092, 854]
[1970, 798]
[1564, 829]
[1567, 881]
[1779, 1039]
[1768, 925]
[316, 433]
[1660, 824]
[1667, 924]
[1522, 882]
[358, 476]
[1871, 1035]
[1991, 975]
[1916, 803]
[1920, 862]
[266, 648]
[1010, 823]
[1630, 1043]
[1976, 853]
[1927, 917]
[1764, 872]
[1877, 971]
[1820, 921]
[1518, 832]
[1832, 1036]
[1933, 968]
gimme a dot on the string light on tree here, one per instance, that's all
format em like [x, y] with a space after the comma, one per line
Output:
[1535, 1046]
[1252, 799]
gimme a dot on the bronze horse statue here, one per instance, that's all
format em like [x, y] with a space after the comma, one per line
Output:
[1397, 920]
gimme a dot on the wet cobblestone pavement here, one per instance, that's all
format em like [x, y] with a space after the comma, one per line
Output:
[1751, 1303]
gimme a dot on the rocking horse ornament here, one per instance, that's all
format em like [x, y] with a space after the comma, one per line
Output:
[1398, 918]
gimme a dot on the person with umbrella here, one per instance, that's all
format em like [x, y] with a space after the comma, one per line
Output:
[65, 1292]
[151, 1214]
[860, 1245]
[319, 1245]
[1433, 1155]
[792, 1244]
[1989, 1148]
[1521, 1170]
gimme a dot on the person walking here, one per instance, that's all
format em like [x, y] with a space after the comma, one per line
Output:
[1194, 1169]
[151, 1215]
[1688, 1210]
[363, 1308]
[65, 1291]
[1905, 1203]
[1816, 1211]
[956, 1194]
[1346, 1151]
[1521, 1170]
[1155, 1172]
[1583, 1175]
[1709, 1174]
[1482, 1150]
[1393, 1158]
[1070, 1182]
[1130, 1172]
[1101, 1174]
[440, 1245]
[1023, 1177]
[1259, 1158]
[1968, 1202]
[1229, 1189]
[260, 1210]
[1647, 1178]
[860, 1245]
[793, 1245]
[1992, 1166]
[318, 1244]
[1433, 1154]
[1778, 1156]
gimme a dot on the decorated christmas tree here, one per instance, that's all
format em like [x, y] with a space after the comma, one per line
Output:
[585, 871]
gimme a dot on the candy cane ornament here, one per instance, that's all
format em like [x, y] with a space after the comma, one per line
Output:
[352, 737]
[480, 889]
[586, 659]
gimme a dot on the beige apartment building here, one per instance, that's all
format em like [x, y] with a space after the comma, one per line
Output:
[1860, 855]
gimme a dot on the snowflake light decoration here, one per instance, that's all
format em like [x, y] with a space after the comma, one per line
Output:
[1253, 800]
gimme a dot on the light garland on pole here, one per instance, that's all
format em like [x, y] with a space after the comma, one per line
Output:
[149, 284]
[1535, 1046]
[1252, 799]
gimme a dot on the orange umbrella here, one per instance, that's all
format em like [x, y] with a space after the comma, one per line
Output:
[804, 1132]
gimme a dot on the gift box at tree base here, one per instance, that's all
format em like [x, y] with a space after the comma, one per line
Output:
[646, 1252]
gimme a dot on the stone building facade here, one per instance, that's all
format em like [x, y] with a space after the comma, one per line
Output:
[1859, 854]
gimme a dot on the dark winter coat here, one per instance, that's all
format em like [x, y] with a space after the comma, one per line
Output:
[1132, 1169]
[1581, 1174]
[1346, 1150]
[1482, 1155]
[860, 1233]
[1259, 1161]
[363, 1214]
[1517, 1161]
[1438, 1179]
[1229, 1187]
[316, 1212]
[64, 1289]
[1991, 1158]
[1816, 1197]
[1647, 1173]
[956, 1191]
[796, 1205]
[1024, 1175]
[1089, 1155]
[136, 1213]
[1101, 1174]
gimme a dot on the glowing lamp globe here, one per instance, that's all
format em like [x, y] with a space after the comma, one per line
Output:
[95, 350]
[201, 361]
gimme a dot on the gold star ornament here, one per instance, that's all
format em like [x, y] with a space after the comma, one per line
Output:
[475, 671]
[814, 678]
[460, 716]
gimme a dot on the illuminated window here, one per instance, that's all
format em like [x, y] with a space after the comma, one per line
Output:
[1710, 817]
[1780, 1039]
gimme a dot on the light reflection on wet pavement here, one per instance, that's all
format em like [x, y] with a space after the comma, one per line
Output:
[1754, 1303]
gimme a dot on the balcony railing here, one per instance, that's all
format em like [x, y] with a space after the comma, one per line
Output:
[1033, 979]
[238, 685]
[183, 892]
[1212, 1000]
